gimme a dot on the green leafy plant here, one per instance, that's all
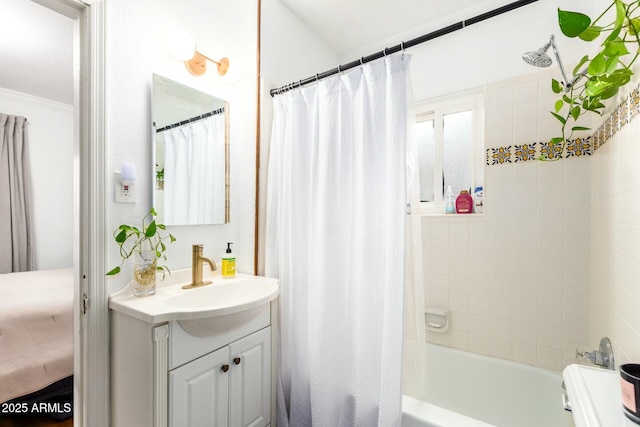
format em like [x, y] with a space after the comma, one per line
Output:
[159, 178]
[148, 237]
[599, 77]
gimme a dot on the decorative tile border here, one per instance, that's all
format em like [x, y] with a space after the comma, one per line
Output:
[578, 147]
[530, 152]
[525, 152]
[622, 115]
[499, 155]
[634, 103]
[550, 151]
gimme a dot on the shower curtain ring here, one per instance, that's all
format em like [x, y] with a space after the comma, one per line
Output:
[362, 60]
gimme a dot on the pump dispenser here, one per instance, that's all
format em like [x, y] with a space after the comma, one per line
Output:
[228, 263]
[449, 207]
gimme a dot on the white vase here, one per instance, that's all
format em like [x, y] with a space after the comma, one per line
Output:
[144, 273]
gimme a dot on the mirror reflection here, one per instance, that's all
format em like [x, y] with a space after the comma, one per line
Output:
[191, 154]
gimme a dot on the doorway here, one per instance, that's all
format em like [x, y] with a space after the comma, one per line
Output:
[90, 312]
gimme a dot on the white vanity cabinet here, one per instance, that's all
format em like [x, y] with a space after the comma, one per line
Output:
[228, 387]
[163, 375]
[197, 357]
[199, 392]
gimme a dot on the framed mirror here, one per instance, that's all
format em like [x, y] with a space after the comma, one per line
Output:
[191, 154]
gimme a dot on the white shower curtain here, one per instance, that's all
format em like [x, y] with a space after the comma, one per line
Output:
[336, 240]
[16, 228]
[194, 172]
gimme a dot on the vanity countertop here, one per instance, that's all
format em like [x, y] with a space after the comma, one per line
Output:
[170, 302]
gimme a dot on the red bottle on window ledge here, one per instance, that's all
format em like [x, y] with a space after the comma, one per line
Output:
[464, 203]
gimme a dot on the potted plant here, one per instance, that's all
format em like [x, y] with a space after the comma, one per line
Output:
[147, 245]
[599, 77]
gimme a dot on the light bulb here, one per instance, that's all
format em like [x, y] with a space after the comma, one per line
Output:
[181, 44]
[128, 173]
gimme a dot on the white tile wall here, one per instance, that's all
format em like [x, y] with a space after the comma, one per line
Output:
[516, 279]
[615, 244]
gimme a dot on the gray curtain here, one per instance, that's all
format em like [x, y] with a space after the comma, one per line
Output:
[16, 234]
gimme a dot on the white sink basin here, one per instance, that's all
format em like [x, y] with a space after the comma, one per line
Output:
[221, 298]
[225, 294]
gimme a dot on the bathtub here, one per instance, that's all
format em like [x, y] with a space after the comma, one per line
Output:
[471, 390]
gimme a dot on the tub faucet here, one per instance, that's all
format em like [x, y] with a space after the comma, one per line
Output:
[602, 357]
[197, 261]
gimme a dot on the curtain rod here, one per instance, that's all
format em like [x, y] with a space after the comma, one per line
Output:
[404, 45]
[190, 120]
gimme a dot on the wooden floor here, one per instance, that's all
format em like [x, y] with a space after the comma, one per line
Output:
[33, 421]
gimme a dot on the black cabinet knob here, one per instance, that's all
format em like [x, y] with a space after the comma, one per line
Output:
[237, 360]
[225, 368]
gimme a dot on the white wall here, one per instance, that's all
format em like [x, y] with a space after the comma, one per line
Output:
[485, 52]
[290, 51]
[51, 159]
[137, 33]
[564, 276]
[615, 235]
[481, 53]
[558, 314]
[516, 279]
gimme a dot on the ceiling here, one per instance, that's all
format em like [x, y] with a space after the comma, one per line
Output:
[350, 24]
[36, 50]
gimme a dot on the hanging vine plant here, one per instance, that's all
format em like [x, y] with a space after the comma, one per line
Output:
[600, 77]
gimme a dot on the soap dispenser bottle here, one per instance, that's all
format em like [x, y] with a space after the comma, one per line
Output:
[449, 207]
[228, 263]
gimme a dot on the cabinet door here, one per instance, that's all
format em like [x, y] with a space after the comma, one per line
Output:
[199, 392]
[250, 380]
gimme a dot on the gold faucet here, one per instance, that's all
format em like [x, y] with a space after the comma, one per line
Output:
[197, 260]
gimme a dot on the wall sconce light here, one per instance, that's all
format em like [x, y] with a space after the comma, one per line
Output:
[182, 46]
[125, 184]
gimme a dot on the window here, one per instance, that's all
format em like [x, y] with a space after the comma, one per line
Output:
[449, 137]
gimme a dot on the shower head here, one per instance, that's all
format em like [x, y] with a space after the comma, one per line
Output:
[539, 58]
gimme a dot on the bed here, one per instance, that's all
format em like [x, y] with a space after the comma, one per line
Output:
[36, 332]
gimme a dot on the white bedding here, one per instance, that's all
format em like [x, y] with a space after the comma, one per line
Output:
[36, 330]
